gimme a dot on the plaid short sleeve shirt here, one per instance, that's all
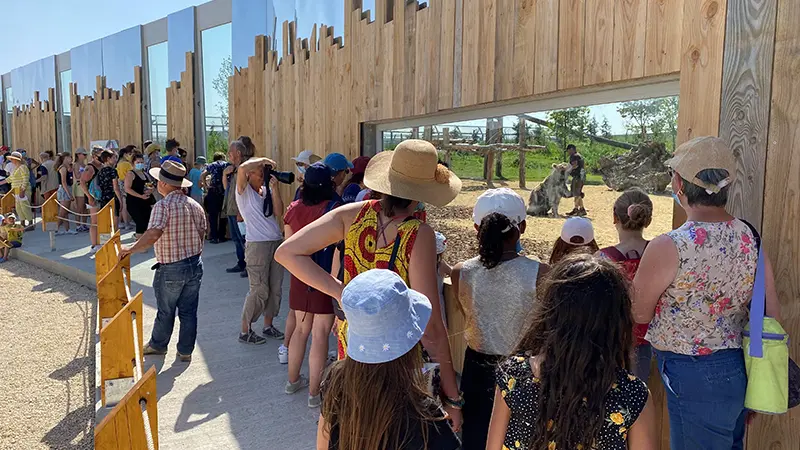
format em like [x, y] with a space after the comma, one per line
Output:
[183, 223]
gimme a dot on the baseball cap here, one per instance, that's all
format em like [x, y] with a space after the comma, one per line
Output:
[200, 160]
[385, 317]
[360, 164]
[502, 201]
[703, 153]
[317, 174]
[441, 243]
[337, 162]
[81, 151]
[577, 231]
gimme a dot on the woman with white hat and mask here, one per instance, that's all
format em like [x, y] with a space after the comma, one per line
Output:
[382, 234]
[496, 291]
[303, 161]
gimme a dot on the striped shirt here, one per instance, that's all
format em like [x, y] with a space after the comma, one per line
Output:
[184, 225]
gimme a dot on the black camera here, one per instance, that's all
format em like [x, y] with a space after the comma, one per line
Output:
[283, 177]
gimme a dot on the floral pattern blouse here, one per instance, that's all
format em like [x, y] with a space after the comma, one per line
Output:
[705, 307]
[520, 389]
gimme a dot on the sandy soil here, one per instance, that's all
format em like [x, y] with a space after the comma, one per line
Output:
[47, 360]
[455, 220]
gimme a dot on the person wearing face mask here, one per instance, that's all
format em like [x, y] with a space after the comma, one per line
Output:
[139, 197]
[177, 232]
[303, 161]
[496, 291]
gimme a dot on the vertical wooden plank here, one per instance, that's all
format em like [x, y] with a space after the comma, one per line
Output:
[424, 71]
[433, 55]
[398, 80]
[409, 59]
[504, 64]
[630, 22]
[387, 65]
[547, 47]
[663, 40]
[524, 59]
[599, 42]
[447, 54]
[570, 43]
[744, 115]
[782, 210]
[470, 51]
[486, 54]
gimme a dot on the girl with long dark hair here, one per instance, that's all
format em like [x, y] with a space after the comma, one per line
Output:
[568, 385]
[496, 291]
[63, 170]
[312, 309]
[382, 370]
[139, 197]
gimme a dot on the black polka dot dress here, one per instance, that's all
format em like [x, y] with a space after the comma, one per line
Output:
[520, 390]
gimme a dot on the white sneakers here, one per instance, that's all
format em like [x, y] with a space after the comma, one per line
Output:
[283, 354]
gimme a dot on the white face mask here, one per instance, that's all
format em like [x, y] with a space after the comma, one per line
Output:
[301, 170]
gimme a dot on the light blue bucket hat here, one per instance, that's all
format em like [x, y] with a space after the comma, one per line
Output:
[385, 318]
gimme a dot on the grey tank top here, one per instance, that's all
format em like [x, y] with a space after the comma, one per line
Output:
[497, 303]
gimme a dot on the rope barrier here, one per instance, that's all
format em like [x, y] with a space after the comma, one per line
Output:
[148, 431]
[74, 213]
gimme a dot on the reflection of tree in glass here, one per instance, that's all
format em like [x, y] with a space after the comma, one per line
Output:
[220, 85]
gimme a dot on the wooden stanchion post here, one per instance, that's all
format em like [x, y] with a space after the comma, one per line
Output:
[446, 145]
[50, 219]
[523, 137]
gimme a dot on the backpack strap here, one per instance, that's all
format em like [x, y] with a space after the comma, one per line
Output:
[396, 248]
[614, 254]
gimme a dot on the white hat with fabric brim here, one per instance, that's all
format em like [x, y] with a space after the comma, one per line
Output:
[412, 172]
[171, 173]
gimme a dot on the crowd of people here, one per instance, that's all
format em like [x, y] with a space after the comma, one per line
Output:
[558, 352]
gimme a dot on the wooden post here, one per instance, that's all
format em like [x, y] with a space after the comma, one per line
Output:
[489, 164]
[415, 133]
[427, 133]
[523, 132]
[446, 145]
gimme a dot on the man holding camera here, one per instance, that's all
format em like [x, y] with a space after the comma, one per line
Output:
[259, 201]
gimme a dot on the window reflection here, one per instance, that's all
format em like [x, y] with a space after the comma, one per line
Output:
[217, 67]
[9, 110]
[158, 79]
[64, 79]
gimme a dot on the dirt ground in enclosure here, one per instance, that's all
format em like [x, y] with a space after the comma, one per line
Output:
[455, 220]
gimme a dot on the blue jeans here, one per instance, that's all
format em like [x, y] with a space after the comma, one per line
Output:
[705, 399]
[641, 367]
[177, 286]
[238, 240]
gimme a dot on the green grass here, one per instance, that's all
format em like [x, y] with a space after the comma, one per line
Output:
[538, 166]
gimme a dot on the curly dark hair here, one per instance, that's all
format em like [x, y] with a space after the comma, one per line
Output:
[492, 239]
[582, 333]
[172, 144]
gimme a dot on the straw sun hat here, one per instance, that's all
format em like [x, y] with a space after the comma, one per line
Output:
[171, 173]
[412, 171]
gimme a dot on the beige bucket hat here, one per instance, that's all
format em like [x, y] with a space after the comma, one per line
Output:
[703, 153]
[412, 171]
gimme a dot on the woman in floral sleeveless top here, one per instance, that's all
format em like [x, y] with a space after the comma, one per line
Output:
[375, 231]
[693, 287]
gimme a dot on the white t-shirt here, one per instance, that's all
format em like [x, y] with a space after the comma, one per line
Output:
[251, 207]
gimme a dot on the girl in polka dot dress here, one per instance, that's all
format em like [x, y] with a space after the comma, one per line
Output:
[568, 385]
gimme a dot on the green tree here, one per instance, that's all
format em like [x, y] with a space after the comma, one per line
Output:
[569, 123]
[641, 117]
[220, 85]
[605, 128]
[216, 143]
[592, 126]
[667, 118]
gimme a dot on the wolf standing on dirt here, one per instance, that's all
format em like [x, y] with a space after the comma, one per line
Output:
[578, 174]
[547, 195]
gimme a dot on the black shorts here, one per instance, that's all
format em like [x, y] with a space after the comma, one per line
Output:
[576, 188]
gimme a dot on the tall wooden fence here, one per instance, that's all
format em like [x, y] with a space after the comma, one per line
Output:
[33, 127]
[180, 108]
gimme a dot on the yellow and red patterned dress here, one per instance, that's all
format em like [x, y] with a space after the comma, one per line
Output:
[361, 253]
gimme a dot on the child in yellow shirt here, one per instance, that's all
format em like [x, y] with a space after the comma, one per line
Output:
[10, 236]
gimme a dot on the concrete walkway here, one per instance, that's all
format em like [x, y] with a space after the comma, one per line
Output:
[231, 394]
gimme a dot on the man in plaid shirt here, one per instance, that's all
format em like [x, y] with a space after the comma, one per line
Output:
[176, 231]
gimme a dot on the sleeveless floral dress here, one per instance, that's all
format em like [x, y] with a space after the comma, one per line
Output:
[362, 254]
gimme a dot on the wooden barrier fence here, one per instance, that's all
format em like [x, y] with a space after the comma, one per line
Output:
[7, 202]
[133, 422]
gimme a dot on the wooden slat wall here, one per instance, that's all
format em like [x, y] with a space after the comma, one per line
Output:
[318, 92]
[109, 114]
[33, 127]
[781, 224]
[180, 108]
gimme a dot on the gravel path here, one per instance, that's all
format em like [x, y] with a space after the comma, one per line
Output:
[47, 366]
